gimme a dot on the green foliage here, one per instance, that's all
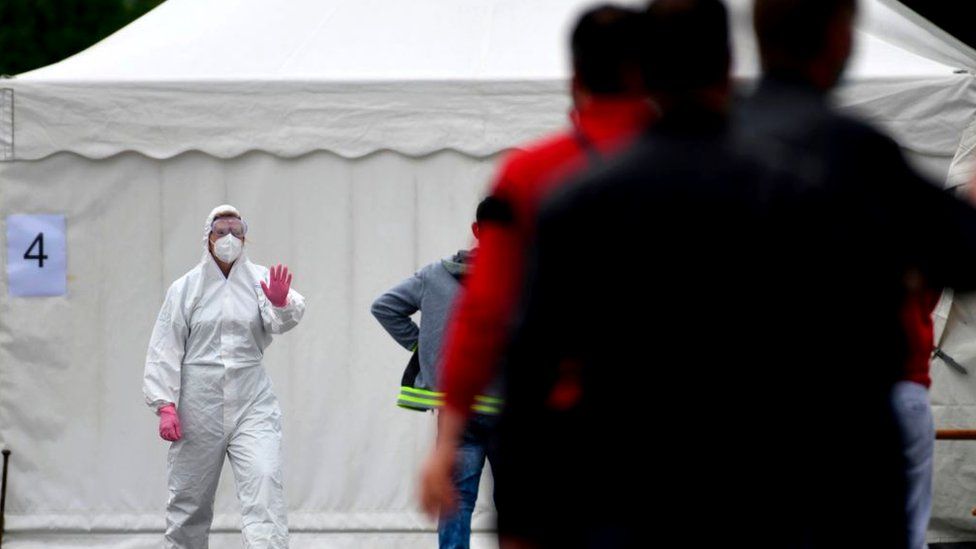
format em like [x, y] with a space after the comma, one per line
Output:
[35, 33]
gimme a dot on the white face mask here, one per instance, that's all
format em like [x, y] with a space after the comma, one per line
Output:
[228, 248]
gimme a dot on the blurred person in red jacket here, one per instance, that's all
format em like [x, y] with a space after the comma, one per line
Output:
[610, 108]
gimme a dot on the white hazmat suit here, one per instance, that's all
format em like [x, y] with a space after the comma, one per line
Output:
[205, 355]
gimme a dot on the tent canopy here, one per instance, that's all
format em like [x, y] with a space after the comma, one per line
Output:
[476, 76]
[457, 40]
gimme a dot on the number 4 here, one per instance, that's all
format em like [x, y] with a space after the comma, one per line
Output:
[40, 257]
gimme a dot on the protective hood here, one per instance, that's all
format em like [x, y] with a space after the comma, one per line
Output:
[224, 209]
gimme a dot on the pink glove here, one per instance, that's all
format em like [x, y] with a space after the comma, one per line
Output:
[169, 424]
[277, 288]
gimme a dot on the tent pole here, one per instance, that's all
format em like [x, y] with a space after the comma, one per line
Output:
[3, 493]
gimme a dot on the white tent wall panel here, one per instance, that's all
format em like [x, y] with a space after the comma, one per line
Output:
[927, 117]
[86, 455]
[63, 357]
[953, 396]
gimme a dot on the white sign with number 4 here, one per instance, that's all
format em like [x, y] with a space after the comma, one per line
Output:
[36, 264]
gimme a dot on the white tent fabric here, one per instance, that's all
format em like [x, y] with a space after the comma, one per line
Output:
[954, 407]
[954, 394]
[356, 137]
[225, 77]
[900, 25]
[86, 453]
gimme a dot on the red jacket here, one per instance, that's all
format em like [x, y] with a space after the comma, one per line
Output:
[479, 329]
[917, 320]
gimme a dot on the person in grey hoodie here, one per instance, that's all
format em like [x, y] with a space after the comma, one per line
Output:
[432, 291]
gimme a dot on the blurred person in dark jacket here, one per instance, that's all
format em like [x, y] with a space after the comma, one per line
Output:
[884, 234]
[689, 341]
[615, 361]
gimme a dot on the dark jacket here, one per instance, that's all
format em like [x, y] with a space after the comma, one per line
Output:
[865, 224]
[729, 331]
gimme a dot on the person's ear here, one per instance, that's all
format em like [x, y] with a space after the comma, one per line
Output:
[578, 92]
[476, 230]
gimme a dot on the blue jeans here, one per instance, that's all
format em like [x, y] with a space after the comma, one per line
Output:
[477, 443]
[911, 404]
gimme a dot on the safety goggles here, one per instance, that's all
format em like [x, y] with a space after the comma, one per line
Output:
[228, 225]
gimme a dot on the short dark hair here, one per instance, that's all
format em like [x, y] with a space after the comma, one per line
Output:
[792, 33]
[686, 45]
[605, 46]
[484, 209]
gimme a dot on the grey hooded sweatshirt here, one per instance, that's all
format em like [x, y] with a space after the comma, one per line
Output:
[432, 291]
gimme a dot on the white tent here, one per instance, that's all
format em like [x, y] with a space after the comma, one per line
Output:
[356, 137]
[953, 394]
[354, 78]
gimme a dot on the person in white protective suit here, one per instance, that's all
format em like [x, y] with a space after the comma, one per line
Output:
[205, 380]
